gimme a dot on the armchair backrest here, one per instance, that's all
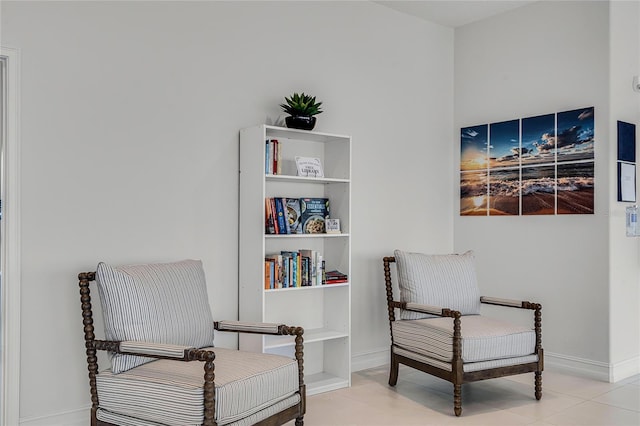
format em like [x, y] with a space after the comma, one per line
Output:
[157, 303]
[444, 280]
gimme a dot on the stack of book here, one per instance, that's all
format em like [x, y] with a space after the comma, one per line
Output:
[272, 163]
[289, 269]
[335, 277]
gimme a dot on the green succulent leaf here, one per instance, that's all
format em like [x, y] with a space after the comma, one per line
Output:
[301, 104]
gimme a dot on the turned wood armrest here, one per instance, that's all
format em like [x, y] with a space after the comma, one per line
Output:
[270, 328]
[257, 327]
[155, 350]
[425, 309]
[510, 303]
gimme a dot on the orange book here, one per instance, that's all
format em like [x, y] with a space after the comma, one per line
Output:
[267, 275]
[269, 227]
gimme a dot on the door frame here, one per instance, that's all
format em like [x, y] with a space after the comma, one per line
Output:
[10, 240]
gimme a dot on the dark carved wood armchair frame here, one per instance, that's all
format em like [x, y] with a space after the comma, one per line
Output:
[456, 375]
[206, 356]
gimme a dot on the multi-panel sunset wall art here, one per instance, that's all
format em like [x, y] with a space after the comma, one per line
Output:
[541, 165]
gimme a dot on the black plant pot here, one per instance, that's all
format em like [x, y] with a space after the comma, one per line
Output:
[301, 122]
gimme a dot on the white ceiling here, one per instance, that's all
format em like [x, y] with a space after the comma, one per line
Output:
[453, 13]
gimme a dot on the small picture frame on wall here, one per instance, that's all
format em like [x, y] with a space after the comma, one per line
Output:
[626, 182]
[626, 142]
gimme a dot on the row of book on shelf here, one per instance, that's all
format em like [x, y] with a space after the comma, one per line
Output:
[296, 215]
[302, 268]
[306, 166]
[273, 163]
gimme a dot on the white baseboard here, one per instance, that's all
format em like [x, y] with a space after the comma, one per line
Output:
[624, 369]
[596, 370]
[371, 359]
[79, 417]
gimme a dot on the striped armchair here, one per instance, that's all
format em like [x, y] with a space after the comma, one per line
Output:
[439, 329]
[164, 367]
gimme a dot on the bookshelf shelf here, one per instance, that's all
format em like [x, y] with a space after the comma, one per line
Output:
[304, 236]
[299, 179]
[324, 382]
[310, 336]
[324, 311]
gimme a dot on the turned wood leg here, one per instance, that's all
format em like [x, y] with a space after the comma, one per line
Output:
[299, 421]
[538, 384]
[393, 372]
[457, 399]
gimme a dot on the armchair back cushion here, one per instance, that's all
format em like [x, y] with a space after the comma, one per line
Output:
[158, 303]
[448, 281]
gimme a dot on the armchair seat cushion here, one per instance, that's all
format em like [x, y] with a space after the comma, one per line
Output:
[170, 392]
[483, 338]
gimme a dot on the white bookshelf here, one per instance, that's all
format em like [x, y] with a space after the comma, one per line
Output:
[323, 311]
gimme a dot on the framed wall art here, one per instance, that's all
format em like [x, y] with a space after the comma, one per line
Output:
[539, 165]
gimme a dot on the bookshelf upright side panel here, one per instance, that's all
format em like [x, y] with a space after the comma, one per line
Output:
[251, 232]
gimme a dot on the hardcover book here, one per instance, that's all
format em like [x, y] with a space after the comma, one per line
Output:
[286, 269]
[274, 214]
[335, 277]
[314, 212]
[309, 274]
[267, 275]
[294, 215]
[281, 224]
[276, 260]
[269, 224]
[272, 156]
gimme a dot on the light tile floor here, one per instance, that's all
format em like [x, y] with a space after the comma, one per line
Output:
[421, 399]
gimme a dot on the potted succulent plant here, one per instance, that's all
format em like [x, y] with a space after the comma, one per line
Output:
[302, 109]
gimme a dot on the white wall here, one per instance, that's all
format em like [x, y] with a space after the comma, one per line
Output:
[130, 119]
[543, 58]
[624, 292]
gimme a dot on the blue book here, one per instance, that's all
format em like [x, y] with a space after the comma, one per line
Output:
[272, 274]
[286, 268]
[281, 217]
[266, 158]
[314, 212]
[295, 274]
